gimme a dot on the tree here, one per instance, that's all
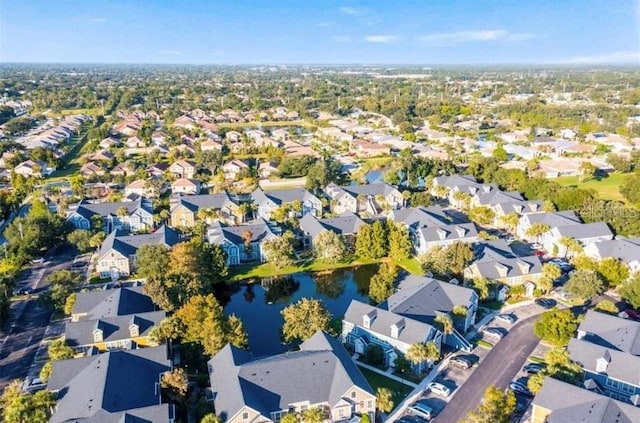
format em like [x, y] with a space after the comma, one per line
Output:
[176, 384]
[583, 262]
[212, 418]
[329, 246]
[63, 283]
[378, 240]
[482, 286]
[613, 271]
[496, 407]
[587, 171]
[279, 250]
[630, 188]
[364, 240]
[313, 415]
[559, 366]
[585, 284]
[303, 319]
[399, 242]
[461, 199]
[630, 291]
[81, 239]
[620, 163]
[247, 237]
[444, 323]
[152, 260]
[556, 326]
[290, 418]
[422, 351]
[20, 408]
[384, 400]
[606, 306]
[550, 272]
[381, 284]
[500, 154]
[203, 321]
[510, 221]
[59, 350]
[536, 230]
[482, 215]
[571, 245]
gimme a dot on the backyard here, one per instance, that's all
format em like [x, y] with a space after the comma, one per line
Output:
[376, 380]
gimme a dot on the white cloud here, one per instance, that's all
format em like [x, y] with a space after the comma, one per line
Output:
[170, 52]
[381, 39]
[606, 58]
[460, 37]
[353, 11]
[97, 20]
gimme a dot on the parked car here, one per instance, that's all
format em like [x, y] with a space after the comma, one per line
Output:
[520, 388]
[439, 389]
[507, 318]
[411, 419]
[546, 303]
[495, 333]
[33, 385]
[420, 408]
[522, 402]
[22, 291]
[460, 362]
[37, 260]
[533, 368]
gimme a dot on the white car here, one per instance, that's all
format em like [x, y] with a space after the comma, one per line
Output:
[439, 389]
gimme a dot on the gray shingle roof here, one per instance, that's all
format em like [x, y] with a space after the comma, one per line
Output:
[321, 371]
[109, 383]
[259, 229]
[612, 332]
[114, 328]
[622, 366]
[449, 232]
[508, 267]
[204, 201]
[497, 196]
[569, 404]
[493, 250]
[585, 230]
[87, 210]
[379, 188]
[345, 224]
[553, 219]
[417, 217]
[281, 196]
[113, 302]
[423, 298]
[413, 331]
[625, 250]
[127, 244]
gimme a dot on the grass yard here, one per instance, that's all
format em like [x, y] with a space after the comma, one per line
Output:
[607, 187]
[367, 165]
[411, 265]
[376, 380]
[92, 112]
[69, 165]
[251, 271]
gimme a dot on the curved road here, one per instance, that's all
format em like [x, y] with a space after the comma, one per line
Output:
[500, 366]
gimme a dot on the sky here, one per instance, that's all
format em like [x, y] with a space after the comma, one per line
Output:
[436, 32]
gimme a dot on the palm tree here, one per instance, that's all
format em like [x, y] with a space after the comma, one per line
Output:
[421, 352]
[290, 418]
[384, 400]
[441, 191]
[247, 236]
[510, 221]
[462, 199]
[571, 245]
[444, 323]
[537, 230]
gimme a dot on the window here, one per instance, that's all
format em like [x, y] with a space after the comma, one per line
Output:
[341, 412]
[276, 416]
[370, 404]
[353, 394]
[245, 416]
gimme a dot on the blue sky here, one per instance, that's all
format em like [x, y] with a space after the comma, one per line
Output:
[321, 31]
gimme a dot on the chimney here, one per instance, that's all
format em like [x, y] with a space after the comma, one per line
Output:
[603, 362]
[134, 327]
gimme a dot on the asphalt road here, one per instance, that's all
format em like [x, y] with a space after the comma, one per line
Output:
[22, 334]
[499, 367]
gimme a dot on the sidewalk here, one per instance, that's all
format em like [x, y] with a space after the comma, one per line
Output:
[383, 373]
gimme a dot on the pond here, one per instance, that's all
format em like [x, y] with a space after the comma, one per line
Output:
[259, 304]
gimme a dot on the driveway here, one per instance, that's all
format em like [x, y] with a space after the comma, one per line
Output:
[500, 366]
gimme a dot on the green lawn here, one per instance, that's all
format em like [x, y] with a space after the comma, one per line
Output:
[411, 265]
[69, 165]
[370, 164]
[250, 271]
[607, 187]
[377, 380]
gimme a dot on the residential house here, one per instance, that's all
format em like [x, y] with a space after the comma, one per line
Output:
[627, 250]
[157, 170]
[295, 149]
[134, 215]
[266, 169]
[368, 149]
[246, 389]
[185, 209]
[242, 243]
[145, 188]
[105, 303]
[115, 387]
[91, 169]
[522, 207]
[562, 402]
[117, 256]
[585, 233]
[127, 332]
[268, 201]
[371, 198]
[183, 169]
[109, 142]
[185, 121]
[30, 168]
[364, 325]
[232, 168]
[210, 145]
[423, 299]
[458, 183]
[346, 225]
[608, 350]
[135, 142]
[185, 186]
[496, 261]
[102, 156]
[158, 137]
[123, 169]
[430, 227]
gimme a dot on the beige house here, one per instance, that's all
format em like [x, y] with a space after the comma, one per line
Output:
[183, 169]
